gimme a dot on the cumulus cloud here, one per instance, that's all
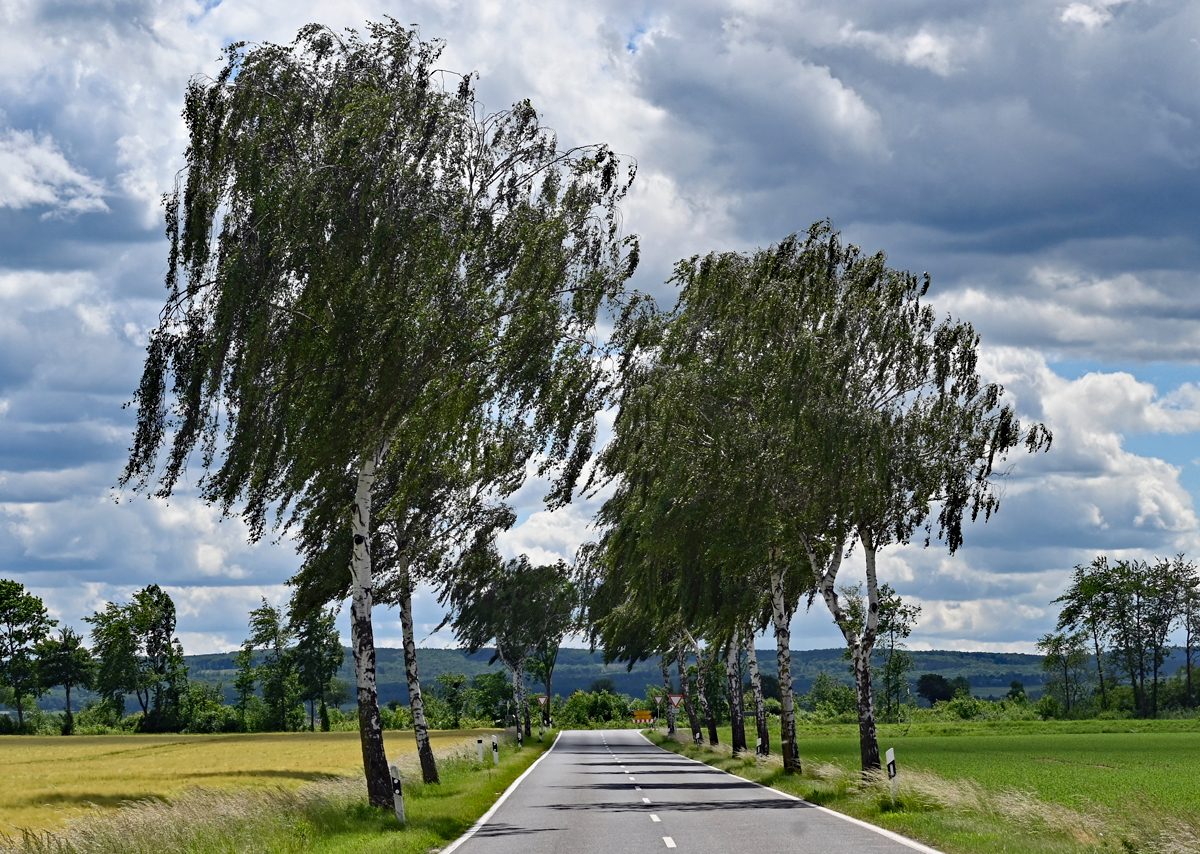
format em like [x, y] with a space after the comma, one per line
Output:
[35, 173]
[1040, 161]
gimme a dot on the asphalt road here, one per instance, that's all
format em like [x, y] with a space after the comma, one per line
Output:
[612, 791]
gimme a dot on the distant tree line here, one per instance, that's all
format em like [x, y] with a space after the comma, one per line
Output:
[285, 677]
[1114, 636]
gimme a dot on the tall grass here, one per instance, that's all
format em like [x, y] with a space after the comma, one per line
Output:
[327, 815]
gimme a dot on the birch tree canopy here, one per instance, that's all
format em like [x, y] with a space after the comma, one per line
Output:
[361, 257]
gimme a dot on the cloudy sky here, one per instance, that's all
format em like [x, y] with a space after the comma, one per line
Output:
[1038, 157]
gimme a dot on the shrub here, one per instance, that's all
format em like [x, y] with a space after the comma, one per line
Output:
[585, 709]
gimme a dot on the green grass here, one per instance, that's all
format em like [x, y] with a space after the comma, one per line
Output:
[324, 817]
[1023, 786]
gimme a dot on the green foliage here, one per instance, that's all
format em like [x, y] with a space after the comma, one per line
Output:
[277, 674]
[829, 697]
[24, 622]
[318, 655]
[138, 654]
[453, 691]
[67, 662]
[935, 688]
[583, 709]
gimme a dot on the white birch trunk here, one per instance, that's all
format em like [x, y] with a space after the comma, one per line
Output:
[685, 688]
[362, 638]
[737, 707]
[760, 708]
[860, 640]
[781, 621]
[416, 701]
[701, 688]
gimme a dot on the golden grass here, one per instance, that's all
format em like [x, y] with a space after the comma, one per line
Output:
[46, 780]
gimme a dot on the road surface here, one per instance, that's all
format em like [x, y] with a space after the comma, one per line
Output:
[611, 791]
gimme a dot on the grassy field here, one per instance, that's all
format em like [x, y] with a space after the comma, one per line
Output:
[1008, 786]
[45, 781]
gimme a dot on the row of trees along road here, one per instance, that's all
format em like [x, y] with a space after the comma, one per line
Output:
[381, 305]
[798, 402]
[1119, 617]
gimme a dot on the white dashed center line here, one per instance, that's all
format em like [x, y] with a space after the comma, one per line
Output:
[653, 817]
[645, 800]
[670, 842]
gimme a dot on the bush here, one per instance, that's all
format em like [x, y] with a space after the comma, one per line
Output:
[1048, 707]
[586, 709]
[829, 698]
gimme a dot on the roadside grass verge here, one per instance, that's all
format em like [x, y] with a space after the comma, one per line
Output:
[328, 816]
[960, 815]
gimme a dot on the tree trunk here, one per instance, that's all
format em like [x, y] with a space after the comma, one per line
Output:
[416, 702]
[362, 639]
[1099, 666]
[760, 709]
[860, 641]
[525, 705]
[737, 706]
[670, 708]
[868, 740]
[546, 708]
[685, 688]
[780, 619]
[702, 666]
[1188, 654]
[20, 711]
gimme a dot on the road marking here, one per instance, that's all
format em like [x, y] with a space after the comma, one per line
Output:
[637, 788]
[653, 817]
[670, 842]
[631, 779]
[645, 800]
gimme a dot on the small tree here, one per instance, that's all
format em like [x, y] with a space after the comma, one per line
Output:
[453, 691]
[24, 622]
[511, 602]
[139, 655]
[896, 622]
[277, 673]
[65, 661]
[318, 654]
[935, 688]
[1066, 657]
[244, 682]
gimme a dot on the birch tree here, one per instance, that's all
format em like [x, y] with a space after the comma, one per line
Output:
[359, 255]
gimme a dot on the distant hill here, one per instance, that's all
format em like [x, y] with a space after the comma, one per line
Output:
[990, 673]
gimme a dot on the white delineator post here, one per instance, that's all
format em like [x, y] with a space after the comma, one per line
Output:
[495, 751]
[891, 769]
[397, 794]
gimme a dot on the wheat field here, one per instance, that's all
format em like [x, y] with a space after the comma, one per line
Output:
[45, 780]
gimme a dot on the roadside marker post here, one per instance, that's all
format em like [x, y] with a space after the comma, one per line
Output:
[520, 737]
[479, 742]
[397, 794]
[757, 749]
[495, 751]
[891, 768]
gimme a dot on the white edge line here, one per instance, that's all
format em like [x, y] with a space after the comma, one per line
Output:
[895, 837]
[483, 819]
